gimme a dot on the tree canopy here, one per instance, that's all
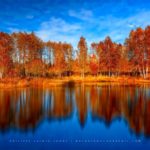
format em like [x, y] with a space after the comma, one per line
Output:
[25, 54]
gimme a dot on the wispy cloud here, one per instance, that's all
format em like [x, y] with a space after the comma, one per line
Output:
[69, 21]
[11, 29]
[118, 28]
[83, 14]
[59, 30]
[29, 16]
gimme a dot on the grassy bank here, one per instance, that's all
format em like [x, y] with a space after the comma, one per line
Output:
[18, 82]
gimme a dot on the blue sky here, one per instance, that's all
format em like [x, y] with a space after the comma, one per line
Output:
[67, 20]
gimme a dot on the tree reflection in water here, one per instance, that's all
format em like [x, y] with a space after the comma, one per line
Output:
[25, 108]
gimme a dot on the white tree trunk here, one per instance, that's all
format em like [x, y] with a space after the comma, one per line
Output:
[1, 75]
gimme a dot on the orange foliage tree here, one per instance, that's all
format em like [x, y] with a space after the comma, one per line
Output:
[138, 53]
[28, 55]
[5, 52]
[82, 47]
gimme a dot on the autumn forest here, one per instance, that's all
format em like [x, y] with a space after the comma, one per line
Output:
[26, 55]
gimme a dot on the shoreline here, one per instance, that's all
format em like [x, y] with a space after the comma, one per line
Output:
[47, 82]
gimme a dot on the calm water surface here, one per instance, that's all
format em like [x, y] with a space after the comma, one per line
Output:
[75, 116]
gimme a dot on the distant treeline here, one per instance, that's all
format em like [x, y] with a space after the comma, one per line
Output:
[25, 55]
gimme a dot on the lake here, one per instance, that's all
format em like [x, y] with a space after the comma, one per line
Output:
[71, 116]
